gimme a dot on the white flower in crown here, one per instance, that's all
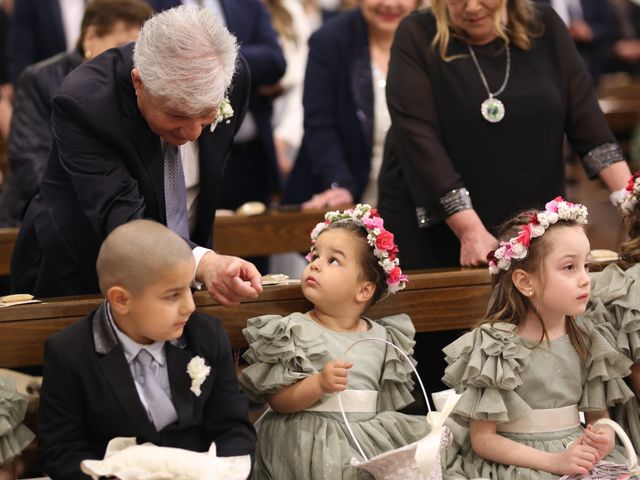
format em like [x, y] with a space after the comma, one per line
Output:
[518, 250]
[198, 370]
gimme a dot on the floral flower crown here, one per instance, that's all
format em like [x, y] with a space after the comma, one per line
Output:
[379, 239]
[630, 198]
[517, 248]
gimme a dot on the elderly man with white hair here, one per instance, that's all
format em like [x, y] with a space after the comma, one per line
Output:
[117, 123]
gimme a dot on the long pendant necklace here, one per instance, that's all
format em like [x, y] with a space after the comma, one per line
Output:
[492, 109]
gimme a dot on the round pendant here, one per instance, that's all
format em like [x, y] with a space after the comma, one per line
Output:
[492, 110]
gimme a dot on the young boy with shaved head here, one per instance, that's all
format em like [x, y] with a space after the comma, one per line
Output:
[122, 371]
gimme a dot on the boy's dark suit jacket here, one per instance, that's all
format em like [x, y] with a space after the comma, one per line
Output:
[106, 168]
[89, 397]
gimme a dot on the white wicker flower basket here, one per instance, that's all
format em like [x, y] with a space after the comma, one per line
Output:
[417, 461]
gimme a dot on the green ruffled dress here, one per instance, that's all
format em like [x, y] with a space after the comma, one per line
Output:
[317, 445]
[503, 377]
[615, 302]
[14, 436]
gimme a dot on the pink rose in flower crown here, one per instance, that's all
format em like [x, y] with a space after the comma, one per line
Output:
[384, 241]
[373, 222]
[395, 277]
[552, 206]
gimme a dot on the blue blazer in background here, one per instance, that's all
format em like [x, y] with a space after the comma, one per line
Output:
[36, 32]
[338, 111]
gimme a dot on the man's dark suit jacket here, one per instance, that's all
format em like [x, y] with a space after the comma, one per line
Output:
[106, 168]
[30, 135]
[250, 22]
[600, 17]
[89, 396]
[36, 33]
[338, 111]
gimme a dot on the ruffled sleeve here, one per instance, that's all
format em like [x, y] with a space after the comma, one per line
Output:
[485, 365]
[605, 372]
[281, 352]
[14, 436]
[615, 301]
[396, 381]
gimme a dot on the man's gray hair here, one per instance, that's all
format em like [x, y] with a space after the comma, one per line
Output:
[186, 58]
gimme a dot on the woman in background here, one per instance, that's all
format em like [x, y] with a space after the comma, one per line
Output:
[345, 112]
[481, 95]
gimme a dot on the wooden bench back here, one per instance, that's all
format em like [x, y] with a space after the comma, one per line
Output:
[435, 300]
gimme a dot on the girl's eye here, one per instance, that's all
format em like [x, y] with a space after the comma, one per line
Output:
[569, 267]
[333, 261]
[587, 266]
[173, 296]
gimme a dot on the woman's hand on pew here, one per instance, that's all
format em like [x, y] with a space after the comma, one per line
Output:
[228, 279]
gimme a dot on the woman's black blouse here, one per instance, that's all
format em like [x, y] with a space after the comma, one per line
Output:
[439, 140]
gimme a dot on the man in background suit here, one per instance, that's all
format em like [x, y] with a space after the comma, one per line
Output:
[252, 171]
[116, 123]
[592, 26]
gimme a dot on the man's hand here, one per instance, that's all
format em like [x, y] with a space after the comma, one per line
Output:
[228, 279]
[332, 197]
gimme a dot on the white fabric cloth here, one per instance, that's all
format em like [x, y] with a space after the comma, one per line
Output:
[353, 401]
[190, 152]
[568, 10]
[543, 421]
[128, 461]
[72, 12]
[211, 4]
[287, 108]
[381, 124]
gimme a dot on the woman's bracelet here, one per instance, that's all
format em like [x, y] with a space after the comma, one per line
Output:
[455, 201]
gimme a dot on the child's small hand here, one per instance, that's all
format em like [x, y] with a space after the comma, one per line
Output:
[578, 458]
[602, 439]
[334, 376]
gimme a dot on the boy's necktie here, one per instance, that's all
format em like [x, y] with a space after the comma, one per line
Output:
[159, 404]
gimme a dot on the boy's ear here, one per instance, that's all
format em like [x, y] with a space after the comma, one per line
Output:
[120, 299]
[366, 291]
[523, 282]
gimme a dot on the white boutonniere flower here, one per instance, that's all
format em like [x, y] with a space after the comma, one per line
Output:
[198, 371]
[225, 112]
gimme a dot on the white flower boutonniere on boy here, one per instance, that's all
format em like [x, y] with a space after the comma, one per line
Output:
[198, 371]
[225, 112]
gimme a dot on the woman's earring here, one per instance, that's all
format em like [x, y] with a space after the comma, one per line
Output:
[529, 292]
[88, 55]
